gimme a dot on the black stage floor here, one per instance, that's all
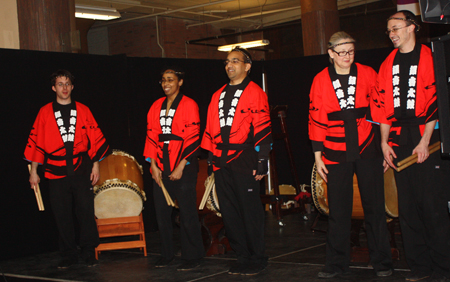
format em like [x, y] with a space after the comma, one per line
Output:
[295, 254]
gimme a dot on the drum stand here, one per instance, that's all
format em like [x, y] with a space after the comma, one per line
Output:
[121, 226]
[276, 200]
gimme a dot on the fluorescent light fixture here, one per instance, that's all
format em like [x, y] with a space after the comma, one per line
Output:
[249, 44]
[96, 13]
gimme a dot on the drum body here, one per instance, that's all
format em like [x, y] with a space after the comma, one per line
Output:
[120, 193]
[319, 195]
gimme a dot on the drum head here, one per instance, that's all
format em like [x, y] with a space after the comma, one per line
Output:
[319, 192]
[117, 202]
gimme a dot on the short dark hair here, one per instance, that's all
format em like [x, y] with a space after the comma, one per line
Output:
[409, 18]
[61, 73]
[176, 70]
[247, 56]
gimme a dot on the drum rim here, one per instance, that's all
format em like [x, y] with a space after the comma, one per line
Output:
[117, 152]
[314, 191]
[128, 184]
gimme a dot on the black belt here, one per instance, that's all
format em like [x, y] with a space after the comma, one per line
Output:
[63, 158]
[225, 147]
[166, 159]
[409, 126]
[169, 137]
[349, 118]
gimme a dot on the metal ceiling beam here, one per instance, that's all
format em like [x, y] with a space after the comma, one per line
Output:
[158, 8]
[169, 11]
[245, 16]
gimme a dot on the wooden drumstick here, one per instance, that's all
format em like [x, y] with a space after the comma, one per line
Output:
[207, 192]
[37, 194]
[166, 194]
[401, 165]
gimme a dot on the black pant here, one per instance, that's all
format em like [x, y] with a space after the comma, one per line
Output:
[423, 196]
[242, 213]
[66, 195]
[184, 191]
[369, 173]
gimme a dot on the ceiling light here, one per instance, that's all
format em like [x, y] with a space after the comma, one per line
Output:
[96, 13]
[249, 44]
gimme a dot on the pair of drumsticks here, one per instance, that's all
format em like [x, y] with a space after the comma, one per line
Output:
[401, 165]
[166, 195]
[37, 194]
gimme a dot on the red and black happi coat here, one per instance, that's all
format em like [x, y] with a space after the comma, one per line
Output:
[337, 115]
[174, 136]
[247, 121]
[420, 106]
[45, 143]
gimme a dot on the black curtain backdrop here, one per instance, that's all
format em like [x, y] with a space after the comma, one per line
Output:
[119, 91]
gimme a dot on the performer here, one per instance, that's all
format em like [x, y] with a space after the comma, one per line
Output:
[345, 143]
[406, 107]
[173, 126]
[66, 139]
[238, 137]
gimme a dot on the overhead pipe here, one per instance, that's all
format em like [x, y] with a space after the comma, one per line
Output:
[176, 10]
[245, 16]
[163, 52]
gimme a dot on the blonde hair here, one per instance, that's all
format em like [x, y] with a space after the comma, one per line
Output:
[338, 36]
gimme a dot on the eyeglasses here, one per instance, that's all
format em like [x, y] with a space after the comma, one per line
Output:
[60, 84]
[170, 80]
[344, 53]
[233, 61]
[395, 29]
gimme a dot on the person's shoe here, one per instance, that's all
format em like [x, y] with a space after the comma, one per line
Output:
[254, 268]
[384, 273]
[436, 277]
[91, 261]
[237, 268]
[163, 262]
[416, 275]
[327, 275]
[67, 262]
[189, 265]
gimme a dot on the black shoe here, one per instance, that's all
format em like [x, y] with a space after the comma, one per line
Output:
[254, 268]
[67, 262]
[91, 261]
[384, 273]
[327, 275]
[417, 275]
[237, 268]
[436, 277]
[189, 265]
[163, 262]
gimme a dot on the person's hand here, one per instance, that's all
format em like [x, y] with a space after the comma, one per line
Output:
[156, 174]
[422, 152]
[389, 155]
[261, 170]
[322, 169]
[95, 174]
[34, 179]
[177, 173]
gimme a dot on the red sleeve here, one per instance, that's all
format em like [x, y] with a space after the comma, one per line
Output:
[99, 147]
[153, 131]
[34, 151]
[191, 142]
[261, 117]
[318, 118]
